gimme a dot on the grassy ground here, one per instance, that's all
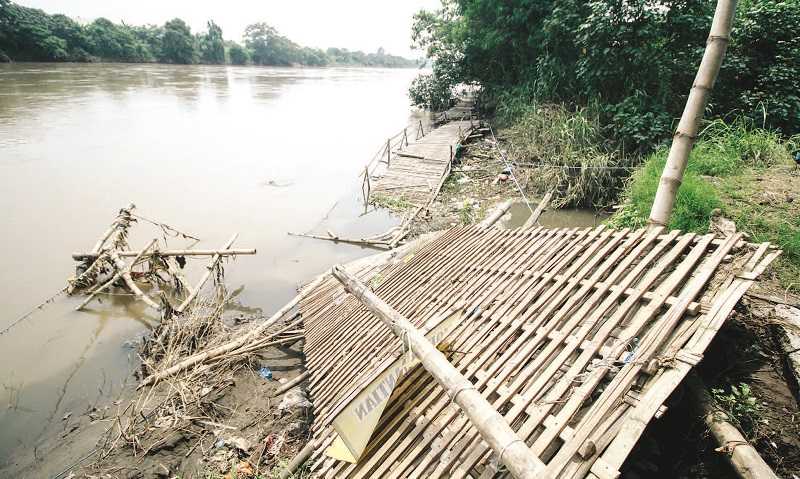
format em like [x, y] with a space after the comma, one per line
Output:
[746, 174]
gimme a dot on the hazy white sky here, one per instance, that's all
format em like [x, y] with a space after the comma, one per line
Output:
[354, 24]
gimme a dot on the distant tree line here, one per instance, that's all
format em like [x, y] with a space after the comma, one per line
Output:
[29, 34]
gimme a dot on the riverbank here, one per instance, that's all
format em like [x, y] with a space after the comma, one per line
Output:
[736, 172]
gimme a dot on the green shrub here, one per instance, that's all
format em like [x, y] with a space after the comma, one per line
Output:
[693, 206]
[741, 407]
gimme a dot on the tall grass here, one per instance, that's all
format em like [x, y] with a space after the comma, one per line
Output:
[569, 151]
[730, 166]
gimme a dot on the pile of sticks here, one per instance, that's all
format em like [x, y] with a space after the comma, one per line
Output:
[107, 259]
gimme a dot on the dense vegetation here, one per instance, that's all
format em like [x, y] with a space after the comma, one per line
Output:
[29, 34]
[632, 61]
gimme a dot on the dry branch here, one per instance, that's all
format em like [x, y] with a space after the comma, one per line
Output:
[232, 345]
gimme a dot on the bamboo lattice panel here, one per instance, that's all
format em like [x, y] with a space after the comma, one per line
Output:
[416, 177]
[576, 336]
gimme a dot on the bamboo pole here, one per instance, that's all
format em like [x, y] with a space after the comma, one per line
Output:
[173, 252]
[689, 124]
[298, 460]
[234, 344]
[122, 270]
[495, 215]
[294, 382]
[534, 218]
[743, 457]
[123, 212]
[209, 269]
[511, 450]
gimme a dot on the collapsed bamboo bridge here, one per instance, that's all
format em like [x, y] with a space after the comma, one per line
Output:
[576, 336]
[412, 171]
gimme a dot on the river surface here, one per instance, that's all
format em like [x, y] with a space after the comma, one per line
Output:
[209, 150]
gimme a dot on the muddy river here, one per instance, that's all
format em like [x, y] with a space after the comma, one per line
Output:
[209, 150]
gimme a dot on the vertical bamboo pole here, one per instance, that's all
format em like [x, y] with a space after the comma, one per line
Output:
[421, 129]
[206, 275]
[689, 124]
[405, 136]
[388, 151]
[511, 450]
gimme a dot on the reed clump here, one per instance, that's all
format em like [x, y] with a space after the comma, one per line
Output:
[569, 153]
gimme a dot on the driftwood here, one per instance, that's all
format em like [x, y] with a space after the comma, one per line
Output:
[493, 428]
[123, 271]
[336, 239]
[688, 127]
[743, 457]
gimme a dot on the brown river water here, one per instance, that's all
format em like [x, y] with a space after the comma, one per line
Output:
[209, 150]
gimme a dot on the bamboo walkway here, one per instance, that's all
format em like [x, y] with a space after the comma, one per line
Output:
[577, 336]
[417, 169]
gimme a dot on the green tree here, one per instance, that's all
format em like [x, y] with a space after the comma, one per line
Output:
[212, 45]
[632, 60]
[178, 45]
[237, 54]
[117, 42]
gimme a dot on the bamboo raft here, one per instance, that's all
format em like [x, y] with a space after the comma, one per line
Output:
[576, 336]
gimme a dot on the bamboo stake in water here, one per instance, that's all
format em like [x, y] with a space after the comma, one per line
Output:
[206, 275]
[689, 124]
[511, 450]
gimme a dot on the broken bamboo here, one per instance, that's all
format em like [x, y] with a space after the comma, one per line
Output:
[684, 138]
[512, 451]
[534, 218]
[124, 214]
[209, 269]
[123, 271]
[496, 214]
[294, 382]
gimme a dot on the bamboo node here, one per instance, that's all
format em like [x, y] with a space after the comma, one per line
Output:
[718, 38]
[502, 467]
[459, 391]
[679, 134]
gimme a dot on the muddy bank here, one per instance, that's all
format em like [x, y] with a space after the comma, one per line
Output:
[233, 414]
